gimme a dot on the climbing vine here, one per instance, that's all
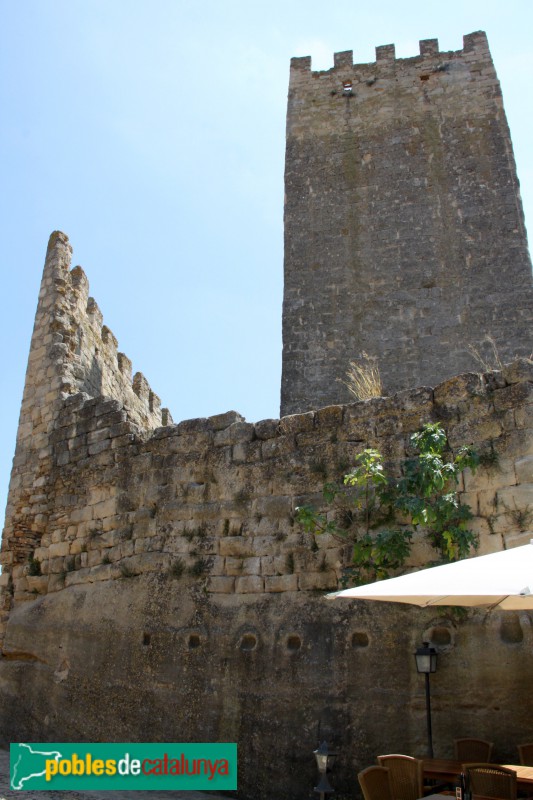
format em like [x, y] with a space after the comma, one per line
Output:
[377, 513]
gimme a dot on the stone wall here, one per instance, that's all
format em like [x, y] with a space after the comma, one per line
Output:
[215, 498]
[156, 585]
[404, 230]
[71, 352]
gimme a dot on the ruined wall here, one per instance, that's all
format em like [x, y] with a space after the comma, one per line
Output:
[178, 600]
[71, 352]
[404, 230]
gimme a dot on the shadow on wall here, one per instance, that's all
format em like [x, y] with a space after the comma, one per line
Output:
[93, 381]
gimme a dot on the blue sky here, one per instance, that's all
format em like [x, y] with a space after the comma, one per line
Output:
[152, 133]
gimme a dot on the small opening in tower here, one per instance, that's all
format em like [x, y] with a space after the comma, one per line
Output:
[424, 77]
[146, 639]
[347, 87]
[248, 642]
[360, 639]
[294, 643]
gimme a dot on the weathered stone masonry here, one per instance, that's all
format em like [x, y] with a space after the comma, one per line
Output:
[179, 601]
[155, 585]
[404, 230]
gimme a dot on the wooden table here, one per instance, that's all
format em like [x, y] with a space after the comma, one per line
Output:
[445, 769]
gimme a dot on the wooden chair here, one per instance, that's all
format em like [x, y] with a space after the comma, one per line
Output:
[375, 783]
[525, 752]
[491, 780]
[405, 774]
[473, 750]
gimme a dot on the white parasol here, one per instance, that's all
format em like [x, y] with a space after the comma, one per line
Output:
[503, 580]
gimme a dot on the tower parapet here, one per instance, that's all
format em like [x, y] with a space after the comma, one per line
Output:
[404, 230]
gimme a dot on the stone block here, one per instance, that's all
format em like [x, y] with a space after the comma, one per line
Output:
[237, 546]
[317, 581]
[269, 566]
[484, 479]
[110, 523]
[200, 424]
[78, 576]
[297, 423]
[456, 390]
[267, 429]
[237, 433]
[273, 507]
[221, 585]
[422, 551]
[489, 544]
[217, 565]
[81, 514]
[40, 553]
[517, 501]
[524, 469]
[249, 584]
[55, 565]
[518, 371]
[512, 396]
[99, 447]
[523, 416]
[487, 503]
[357, 427]
[470, 499]
[474, 431]
[99, 435]
[516, 444]
[248, 452]
[59, 549]
[481, 528]
[281, 583]
[147, 562]
[233, 566]
[221, 421]
[56, 582]
[94, 557]
[517, 539]
[277, 448]
[104, 572]
[329, 417]
[251, 566]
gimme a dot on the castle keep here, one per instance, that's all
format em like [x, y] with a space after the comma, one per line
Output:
[404, 231]
[155, 584]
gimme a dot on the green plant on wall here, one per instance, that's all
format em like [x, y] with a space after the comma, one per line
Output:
[377, 513]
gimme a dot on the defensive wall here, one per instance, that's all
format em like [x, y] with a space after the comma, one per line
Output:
[404, 230]
[156, 586]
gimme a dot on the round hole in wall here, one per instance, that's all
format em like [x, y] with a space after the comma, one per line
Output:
[294, 643]
[194, 641]
[441, 637]
[248, 642]
[510, 629]
[360, 639]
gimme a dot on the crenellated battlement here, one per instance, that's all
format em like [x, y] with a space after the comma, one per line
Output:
[473, 44]
[85, 350]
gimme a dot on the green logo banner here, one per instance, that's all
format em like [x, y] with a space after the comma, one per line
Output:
[112, 767]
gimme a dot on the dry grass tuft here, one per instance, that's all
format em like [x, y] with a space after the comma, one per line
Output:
[489, 362]
[492, 361]
[363, 379]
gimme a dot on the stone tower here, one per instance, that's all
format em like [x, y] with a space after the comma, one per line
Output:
[404, 230]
